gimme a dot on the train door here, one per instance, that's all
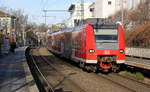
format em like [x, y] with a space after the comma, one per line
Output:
[68, 45]
[62, 46]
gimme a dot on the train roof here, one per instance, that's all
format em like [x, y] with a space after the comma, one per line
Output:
[101, 23]
[96, 25]
[105, 25]
[70, 29]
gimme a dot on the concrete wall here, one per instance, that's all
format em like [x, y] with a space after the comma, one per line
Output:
[98, 8]
[103, 8]
[138, 52]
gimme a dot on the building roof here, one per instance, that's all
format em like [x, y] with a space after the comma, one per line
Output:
[73, 5]
[92, 5]
[3, 14]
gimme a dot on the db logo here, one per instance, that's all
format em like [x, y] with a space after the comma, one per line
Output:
[106, 52]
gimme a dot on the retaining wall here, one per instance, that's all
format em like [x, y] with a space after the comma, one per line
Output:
[138, 52]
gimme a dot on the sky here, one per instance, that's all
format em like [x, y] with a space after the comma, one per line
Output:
[33, 8]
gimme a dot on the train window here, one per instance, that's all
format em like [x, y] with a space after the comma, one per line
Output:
[106, 35]
[105, 31]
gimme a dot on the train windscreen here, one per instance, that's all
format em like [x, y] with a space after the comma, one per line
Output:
[106, 38]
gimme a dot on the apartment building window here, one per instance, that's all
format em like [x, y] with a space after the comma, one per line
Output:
[109, 2]
[91, 9]
[78, 13]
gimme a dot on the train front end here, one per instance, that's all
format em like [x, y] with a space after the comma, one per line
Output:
[108, 48]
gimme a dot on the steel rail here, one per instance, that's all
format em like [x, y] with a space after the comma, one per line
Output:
[116, 83]
[102, 77]
[46, 61]
[107, 78]
[119, 84]
[140, 82]
[46, 81]
[99, 75]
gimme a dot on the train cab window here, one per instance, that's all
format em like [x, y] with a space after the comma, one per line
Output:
[106, 35]
[106, 38]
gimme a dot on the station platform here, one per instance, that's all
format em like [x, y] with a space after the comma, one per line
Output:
[15, 75]
[138, 62]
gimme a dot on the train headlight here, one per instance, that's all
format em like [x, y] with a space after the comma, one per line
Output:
[91, 51]
[121, 51]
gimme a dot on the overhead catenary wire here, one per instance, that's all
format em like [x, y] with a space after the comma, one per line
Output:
[45, 11]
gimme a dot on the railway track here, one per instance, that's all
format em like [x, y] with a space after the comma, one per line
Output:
[103, 76]
[138, 64]
[76, 88]
[49, 86]
[87, 82]
[58, 83]
[114, 76]
[126, 82]
[36, 72]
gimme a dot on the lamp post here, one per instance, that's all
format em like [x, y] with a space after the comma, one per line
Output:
[122, 12]
[23, 34]
[82, 11]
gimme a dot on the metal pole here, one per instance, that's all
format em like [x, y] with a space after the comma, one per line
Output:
[122, 12]
[45, 16]
[132, 4]
[23, 36]
[82, 11]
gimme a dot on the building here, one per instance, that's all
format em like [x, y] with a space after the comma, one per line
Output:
[76, 15]
[8, 27]
[8, 24]
[106, 8]
[100, 9]
[8, 20]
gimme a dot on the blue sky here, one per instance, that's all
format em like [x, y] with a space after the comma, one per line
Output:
[33, 8]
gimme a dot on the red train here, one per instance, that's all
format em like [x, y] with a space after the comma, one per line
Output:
[95, 47]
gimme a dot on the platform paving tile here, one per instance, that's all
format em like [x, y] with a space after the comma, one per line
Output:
[12, 74]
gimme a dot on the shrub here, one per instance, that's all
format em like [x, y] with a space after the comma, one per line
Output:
[139, 36]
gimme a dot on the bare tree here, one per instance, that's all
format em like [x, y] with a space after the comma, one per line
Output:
[42, 28]
[141, 14]
[139, 18]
